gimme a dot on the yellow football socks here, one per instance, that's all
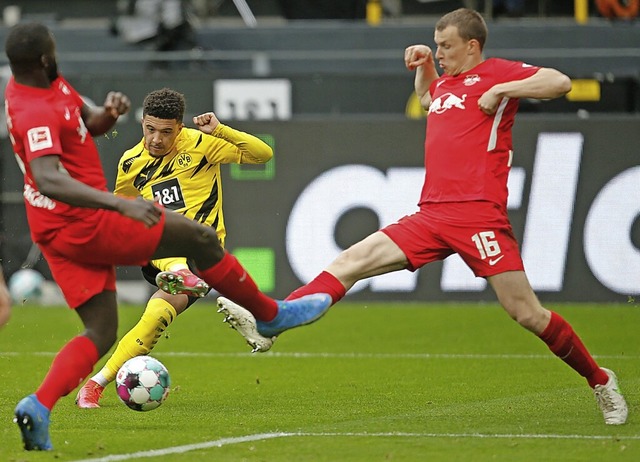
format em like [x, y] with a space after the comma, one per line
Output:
[141, 339]
[170, 263]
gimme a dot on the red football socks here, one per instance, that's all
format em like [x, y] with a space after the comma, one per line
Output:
[69, 368]
[230, 279]
[565, 343]
[323, 283]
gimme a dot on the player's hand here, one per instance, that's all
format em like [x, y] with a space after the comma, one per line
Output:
[140, 209]
[116, 104]
[417, 55]
[488, 102]
[206, 122]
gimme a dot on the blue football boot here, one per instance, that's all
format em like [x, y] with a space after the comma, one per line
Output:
[33, 419]
[260, 335]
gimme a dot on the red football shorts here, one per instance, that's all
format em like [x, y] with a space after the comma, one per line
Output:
[82, 256]
[479, 232]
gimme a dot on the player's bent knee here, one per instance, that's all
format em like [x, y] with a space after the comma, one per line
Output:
[529, 318]
[205, 236]
[103, 342]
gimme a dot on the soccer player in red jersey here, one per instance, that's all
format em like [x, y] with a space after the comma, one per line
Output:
[463, 204]
[83, 230]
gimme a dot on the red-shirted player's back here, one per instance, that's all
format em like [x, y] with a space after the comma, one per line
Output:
[467, 152]
[47, 121]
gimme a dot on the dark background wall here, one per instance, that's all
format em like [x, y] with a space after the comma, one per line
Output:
[351, 107]
[272, 211]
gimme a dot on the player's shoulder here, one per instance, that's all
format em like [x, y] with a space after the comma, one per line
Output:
[190, 132]
[502, 63]
[64, 89]
[133, 152]
[189, 136]
[192, 139]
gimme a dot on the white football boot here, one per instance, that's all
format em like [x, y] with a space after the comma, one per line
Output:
[610, 400]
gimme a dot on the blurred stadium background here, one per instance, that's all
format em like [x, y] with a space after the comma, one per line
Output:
[324, 82]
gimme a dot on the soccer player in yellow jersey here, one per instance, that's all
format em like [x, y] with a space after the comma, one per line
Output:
[178, 167]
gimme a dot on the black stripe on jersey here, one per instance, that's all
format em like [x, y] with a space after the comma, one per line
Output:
[208, 205]
[126, 165]
[168, 169]
[199, 141]
[146, 173]
[203, 163]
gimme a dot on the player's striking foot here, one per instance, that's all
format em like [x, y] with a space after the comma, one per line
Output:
[33, 419]
[260, 335]
[610, 400]
[89, 395]
[182, 282]
[245, 323]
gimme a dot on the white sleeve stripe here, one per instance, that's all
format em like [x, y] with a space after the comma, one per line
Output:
[493, 137]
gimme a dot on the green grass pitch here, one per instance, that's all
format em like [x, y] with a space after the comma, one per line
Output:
[369, 382]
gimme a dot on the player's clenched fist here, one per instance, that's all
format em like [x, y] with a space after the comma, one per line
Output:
[417, 55]
[116, 104]
[206, 122]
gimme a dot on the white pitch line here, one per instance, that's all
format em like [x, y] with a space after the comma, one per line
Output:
[188, 447]
[273, 354]
[265, 436]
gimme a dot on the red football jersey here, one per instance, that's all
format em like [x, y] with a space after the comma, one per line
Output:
[467, 152]
[48, 121]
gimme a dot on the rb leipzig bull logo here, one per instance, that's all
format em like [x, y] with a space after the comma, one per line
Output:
[445, 102]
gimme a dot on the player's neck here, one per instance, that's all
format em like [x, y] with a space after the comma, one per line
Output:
[33, 80]
[475, 61]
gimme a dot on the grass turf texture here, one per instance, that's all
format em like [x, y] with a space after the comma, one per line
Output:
[369, 382]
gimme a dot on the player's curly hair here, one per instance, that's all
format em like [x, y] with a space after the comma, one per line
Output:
[164, 104]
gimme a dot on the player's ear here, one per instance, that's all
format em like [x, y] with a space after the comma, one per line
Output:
[474, 47]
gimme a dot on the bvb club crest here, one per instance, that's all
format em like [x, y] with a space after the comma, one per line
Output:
[184, 159]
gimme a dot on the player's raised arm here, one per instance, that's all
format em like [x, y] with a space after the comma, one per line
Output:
[547, 83]
[420, 59]
[206, 122]
[251, 148]
[101, 118]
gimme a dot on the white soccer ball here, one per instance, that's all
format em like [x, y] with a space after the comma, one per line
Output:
[143, 383]
[25, 285]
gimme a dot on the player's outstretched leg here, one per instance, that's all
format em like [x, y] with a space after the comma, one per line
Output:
[89, 395]
[260, 335]
[610, 400]
[245, 323]
[33, 419]
[182, 282]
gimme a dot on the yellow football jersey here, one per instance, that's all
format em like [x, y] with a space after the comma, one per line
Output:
[187, 179]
